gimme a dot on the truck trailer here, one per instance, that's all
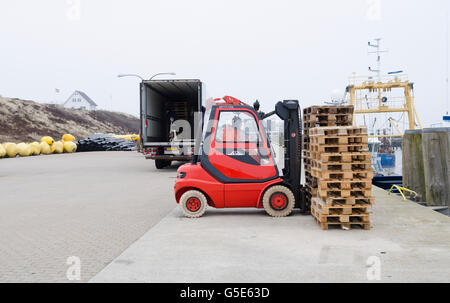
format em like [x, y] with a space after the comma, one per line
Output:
[171, 113]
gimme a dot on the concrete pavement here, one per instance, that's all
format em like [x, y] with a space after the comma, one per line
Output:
[95, 206]
[89, 205]
[410, 242]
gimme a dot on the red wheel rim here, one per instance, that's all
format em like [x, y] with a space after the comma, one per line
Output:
[193, 204]
[278, 201]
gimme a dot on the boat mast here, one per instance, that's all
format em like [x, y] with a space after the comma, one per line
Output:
[378, 53]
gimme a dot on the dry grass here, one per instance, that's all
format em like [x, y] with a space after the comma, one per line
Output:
[25, 121]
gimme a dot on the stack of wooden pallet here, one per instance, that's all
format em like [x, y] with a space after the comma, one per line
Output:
[341, 165]
[180, 108]
[317, 116]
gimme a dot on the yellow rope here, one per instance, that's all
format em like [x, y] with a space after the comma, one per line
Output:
[403, 189]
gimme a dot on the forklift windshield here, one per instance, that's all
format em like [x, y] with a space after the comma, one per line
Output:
[237, 126]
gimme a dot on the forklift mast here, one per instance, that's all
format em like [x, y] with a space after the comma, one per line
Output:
[289, 112]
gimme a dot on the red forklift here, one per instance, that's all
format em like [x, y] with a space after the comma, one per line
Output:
[234, 165]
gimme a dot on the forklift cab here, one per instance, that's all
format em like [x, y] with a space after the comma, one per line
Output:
[235, 147]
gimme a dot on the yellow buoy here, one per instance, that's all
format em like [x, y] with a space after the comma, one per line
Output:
[58, 147]
[23, 149]
[68, 138]
[48, 140]
[45, 148]
[35, 148]
[70, 147]
[11, 150]
[2, 151]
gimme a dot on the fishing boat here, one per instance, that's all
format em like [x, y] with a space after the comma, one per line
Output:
[385, 104]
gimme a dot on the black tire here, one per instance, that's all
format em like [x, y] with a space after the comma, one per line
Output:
[160, 164]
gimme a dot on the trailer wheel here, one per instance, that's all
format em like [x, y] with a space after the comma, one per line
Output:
[278, 201]
[160, 164]
[193, 204]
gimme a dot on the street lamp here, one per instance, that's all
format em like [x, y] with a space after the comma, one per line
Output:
[130, 75]
[159, 74]
[142, 79]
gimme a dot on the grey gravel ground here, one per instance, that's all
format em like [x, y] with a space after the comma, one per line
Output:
[89, 205]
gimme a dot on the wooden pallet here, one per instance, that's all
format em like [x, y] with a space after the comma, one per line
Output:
[306, 153]
[344, 193]
[339, 140]
[330, 166]
[312, 190]
[339, 167]
[308, 174]
[310, 180]
[317, 148]
[349, 201]
[338, 131]
[339, 209]
[310, 124]
[335, 223]
[180, 108]
[360, 216]
[326, 118]
[354, 175]
[307, 167]
[360, 157]
[345, 184]
[347, 109]
[341, 203]
[307, 161]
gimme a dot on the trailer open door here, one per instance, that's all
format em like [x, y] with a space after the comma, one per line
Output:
[143, 110]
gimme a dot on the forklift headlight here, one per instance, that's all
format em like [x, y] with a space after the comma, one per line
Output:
[181, 175]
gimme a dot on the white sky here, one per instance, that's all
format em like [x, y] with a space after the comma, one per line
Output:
[266, 50]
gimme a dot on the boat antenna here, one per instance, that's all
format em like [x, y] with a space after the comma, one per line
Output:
[378, 52]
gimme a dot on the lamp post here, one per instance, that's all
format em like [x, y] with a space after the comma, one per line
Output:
[159, 74]
[142, 79]
[130, 75]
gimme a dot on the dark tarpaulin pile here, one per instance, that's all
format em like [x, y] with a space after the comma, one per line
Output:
[102, 142]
